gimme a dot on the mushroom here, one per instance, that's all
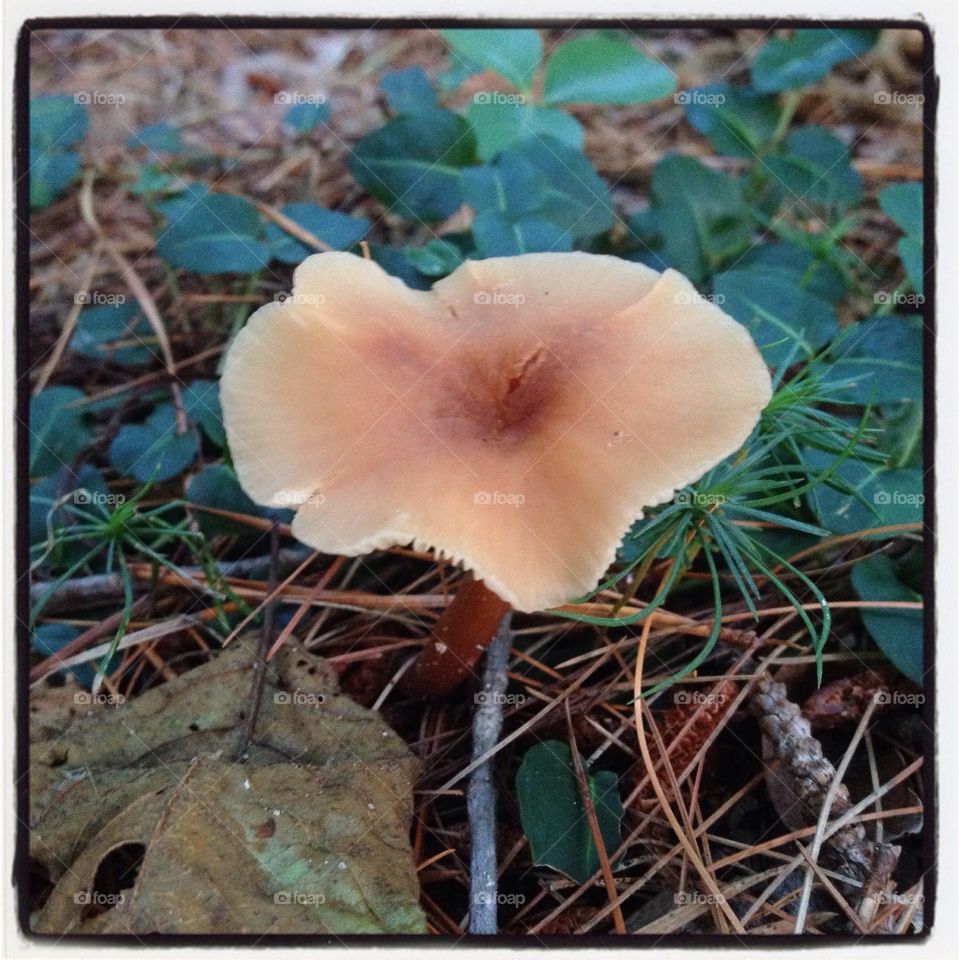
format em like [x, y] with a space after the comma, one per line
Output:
[518, 418]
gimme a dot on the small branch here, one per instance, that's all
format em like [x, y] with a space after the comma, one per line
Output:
[81, 642]
[481, 794]
[291, 226]
[594, 824]
[260, 657]
[140, 292]
[69, 325]
[105, 587]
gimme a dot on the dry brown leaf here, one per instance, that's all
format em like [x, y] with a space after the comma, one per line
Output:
[157, 777]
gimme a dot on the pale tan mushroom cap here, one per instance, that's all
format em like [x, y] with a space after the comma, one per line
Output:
[518, 417]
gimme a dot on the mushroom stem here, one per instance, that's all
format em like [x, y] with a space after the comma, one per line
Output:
[457, 641]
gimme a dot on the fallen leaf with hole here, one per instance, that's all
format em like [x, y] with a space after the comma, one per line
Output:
[145, 823]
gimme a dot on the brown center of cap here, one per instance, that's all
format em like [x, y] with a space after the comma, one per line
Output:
[502, 399]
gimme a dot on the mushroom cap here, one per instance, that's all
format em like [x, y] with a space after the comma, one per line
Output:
[517, 417]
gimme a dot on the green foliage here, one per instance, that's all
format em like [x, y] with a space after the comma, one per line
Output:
[119, 333]
[201, 403]
[396, 262]
[514, 54]
[413, 163]
[109, 529]
[785, 319]
[878, 361]
[701, 216]
[552, 811]
[599, 68]
[800, 267]
[532, 196]
[436, 258]
[903, 203]
[217, 486]
[153, 451]
[157, 138]
[785, 63]
[408, 90]
[56, 123]
[59, 431]
[336, 229]
[737, 121]
[815, 170]
[460, 69]
[860, 495]
[152, 179]
[897, 632]
[498, 125]
[49, 494]
[303, 118]
[212, 233]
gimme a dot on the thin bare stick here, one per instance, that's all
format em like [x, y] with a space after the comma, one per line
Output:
[139, 290]
[595, 833]
[291, 226]
[260, 657]
[685, 842]
[71, 322]
[481, 792]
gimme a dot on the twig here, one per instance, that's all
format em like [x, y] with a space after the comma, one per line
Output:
[70, 323]
[260, 657]
[291, 227]
[595, 832]
[178, 624]
[481, 794]
[321, 585]
[685, 842]
[59, 659]
[140, 292]
[104, 587]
